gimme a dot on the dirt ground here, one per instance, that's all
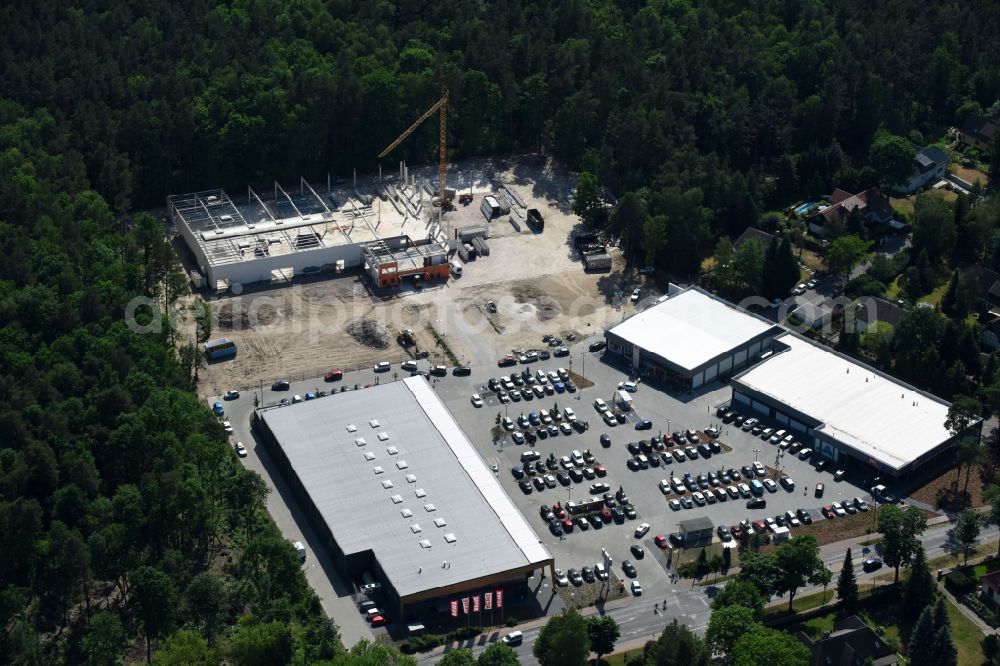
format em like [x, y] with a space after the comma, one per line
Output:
[968, 175]
[536, 281]
[940, 492]
[837, 529]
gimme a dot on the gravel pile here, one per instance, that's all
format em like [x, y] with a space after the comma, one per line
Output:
[369, 333]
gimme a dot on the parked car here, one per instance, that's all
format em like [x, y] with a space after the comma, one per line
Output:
[477, 400]
[231, 395]
[871, 564]
[641, 530]
[241, 450]
[820, 489]
[597, 346]
[281, 385]
[644, 424]
[628, 568]
[381, 366]
[636, 588]
[756, 503]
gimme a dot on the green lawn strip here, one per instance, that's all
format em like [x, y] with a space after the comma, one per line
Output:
[967, 636]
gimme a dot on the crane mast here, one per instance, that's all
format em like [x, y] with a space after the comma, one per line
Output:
[441, 106]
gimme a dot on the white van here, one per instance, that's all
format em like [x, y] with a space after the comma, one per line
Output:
[456, 267]
[300, 550]
[513, 638]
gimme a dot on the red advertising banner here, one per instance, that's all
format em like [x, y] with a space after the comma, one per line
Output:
[465, 605]
[475, 604]
[488, 600]
[499, 598]
[454, 608]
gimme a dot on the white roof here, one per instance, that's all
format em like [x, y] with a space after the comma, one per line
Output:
[691, 328]
[874, 414]
[443, 518]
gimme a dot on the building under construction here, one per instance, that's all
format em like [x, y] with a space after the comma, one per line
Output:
[274, 237]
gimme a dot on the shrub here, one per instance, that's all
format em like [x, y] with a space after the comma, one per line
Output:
[958, 582]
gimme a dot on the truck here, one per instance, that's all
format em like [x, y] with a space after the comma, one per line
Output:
[220, 348]
[597, 262]
[586, 238]
[535, 220]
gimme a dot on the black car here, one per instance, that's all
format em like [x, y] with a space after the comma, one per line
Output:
[570, 386]
[461, 371]
[605, 441]
[544, 355]
[517, 472]
[595, 520]
[546, 512]
[281, 385]
[630, 512]
[805, 517]
[539, 484]
[542, 433]
[780, 520]
[871, 564]
[525, 486]
[637, 551]
[540, 467]
[715, 446]
[728, 416]
[677, 538]
[634, 448]
[738, 421]
[588, 574]
[633, 464]
[597, 346]
[756, 503]
[628, 568]
[576, 475]
[618, 515]
[556, 528]
[563, 478]
[530, 437]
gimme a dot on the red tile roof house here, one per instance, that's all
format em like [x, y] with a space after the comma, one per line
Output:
[872, 204]
[991, 587]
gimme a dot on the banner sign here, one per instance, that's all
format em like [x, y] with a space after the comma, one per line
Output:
[488, 600]
[465, 605]
[454, 608]
[499, 598]
[475, 604]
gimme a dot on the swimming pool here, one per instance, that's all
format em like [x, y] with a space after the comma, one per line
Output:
[805, 208]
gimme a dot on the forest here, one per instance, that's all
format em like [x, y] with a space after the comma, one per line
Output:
[129, 530]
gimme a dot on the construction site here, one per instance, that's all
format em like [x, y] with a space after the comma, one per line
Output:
[477, 269]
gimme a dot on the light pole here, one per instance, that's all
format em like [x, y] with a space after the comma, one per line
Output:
[668, 426]
[755, 452]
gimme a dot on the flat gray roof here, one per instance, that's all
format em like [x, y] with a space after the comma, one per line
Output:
[873, 413]
[699, 524]
[391, 471]
[691, 328]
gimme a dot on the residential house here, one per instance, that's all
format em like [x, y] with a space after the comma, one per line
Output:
[991, 587]
[752, 233]
[851, 643]
[930, 166]
[977, 131]
[873, 206]
[872, 309]
[989, 289]
[990, 337]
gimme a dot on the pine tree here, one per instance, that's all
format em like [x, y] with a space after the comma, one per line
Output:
[950, 298]
[847, 586]
[941, 616]
[919, 591]
[921, 645]
[945, 653]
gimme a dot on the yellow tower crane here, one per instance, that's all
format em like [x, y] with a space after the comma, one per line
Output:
[442, 106]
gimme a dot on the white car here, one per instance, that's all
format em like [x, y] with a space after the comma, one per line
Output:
[296, 398]
[576, 457]
[601, 571]
[635, 295]
[563, 375]
[541, 377]
[629, 386]
[553, 376]
[569, 414]
[744, 489]
[507, 423]
[409, 366]
[566, 462]
[609, 419]
[664, 486]
[698, 498]
[641, 530]
[771, 523]
[227, 426]
[600, 406]
[561, 579]
[771, 486]
[518, 437]
[381, 366]
[636, 588]
[231, 395]
[241, 450]
[565, 428]
[477, 400]
[838, 509]
[674, 504]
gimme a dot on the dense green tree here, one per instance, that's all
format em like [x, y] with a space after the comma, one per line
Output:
[603, 631]
[876, 341]
[677, 646]
[154, 595]
[920, 647]
[563, 641]
[725, 627]
[105, 640]
[762, 570]
[366, 653]
[587, 200]
[458, 657]
[798, 562]
[920, 588]
[847, 586]
[769, 646]
[627, 220]
[654, 239]
[844, 254]
[748, 262]
[259, 644]
[743, 593]
[207, 603]
[892, 157]
[498, 654]
[185, 648]
[933, 226]
[900, 529]
[916, 342]
[967, 529]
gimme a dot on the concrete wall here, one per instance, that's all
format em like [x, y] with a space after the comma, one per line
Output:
[258, 269]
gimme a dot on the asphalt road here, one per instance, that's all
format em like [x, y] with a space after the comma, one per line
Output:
[690, 605]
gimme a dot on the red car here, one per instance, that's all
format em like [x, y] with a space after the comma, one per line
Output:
[559, 512]
[661, 541]
[379, 620]
[333, 375]
[606, 515]
[567, 525]
[827, 512]
[736, 531]
[760, 526]
[600, 470]
[507, 361]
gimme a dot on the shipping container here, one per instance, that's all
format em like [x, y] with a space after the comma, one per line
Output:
[597, 262]
[535, 219]
[220, 348]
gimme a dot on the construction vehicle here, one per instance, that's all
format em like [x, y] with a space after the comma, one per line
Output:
[440, 106]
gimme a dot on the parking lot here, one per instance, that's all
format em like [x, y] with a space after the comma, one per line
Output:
[668, 412]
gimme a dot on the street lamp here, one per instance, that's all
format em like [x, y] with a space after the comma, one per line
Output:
[755, 452]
